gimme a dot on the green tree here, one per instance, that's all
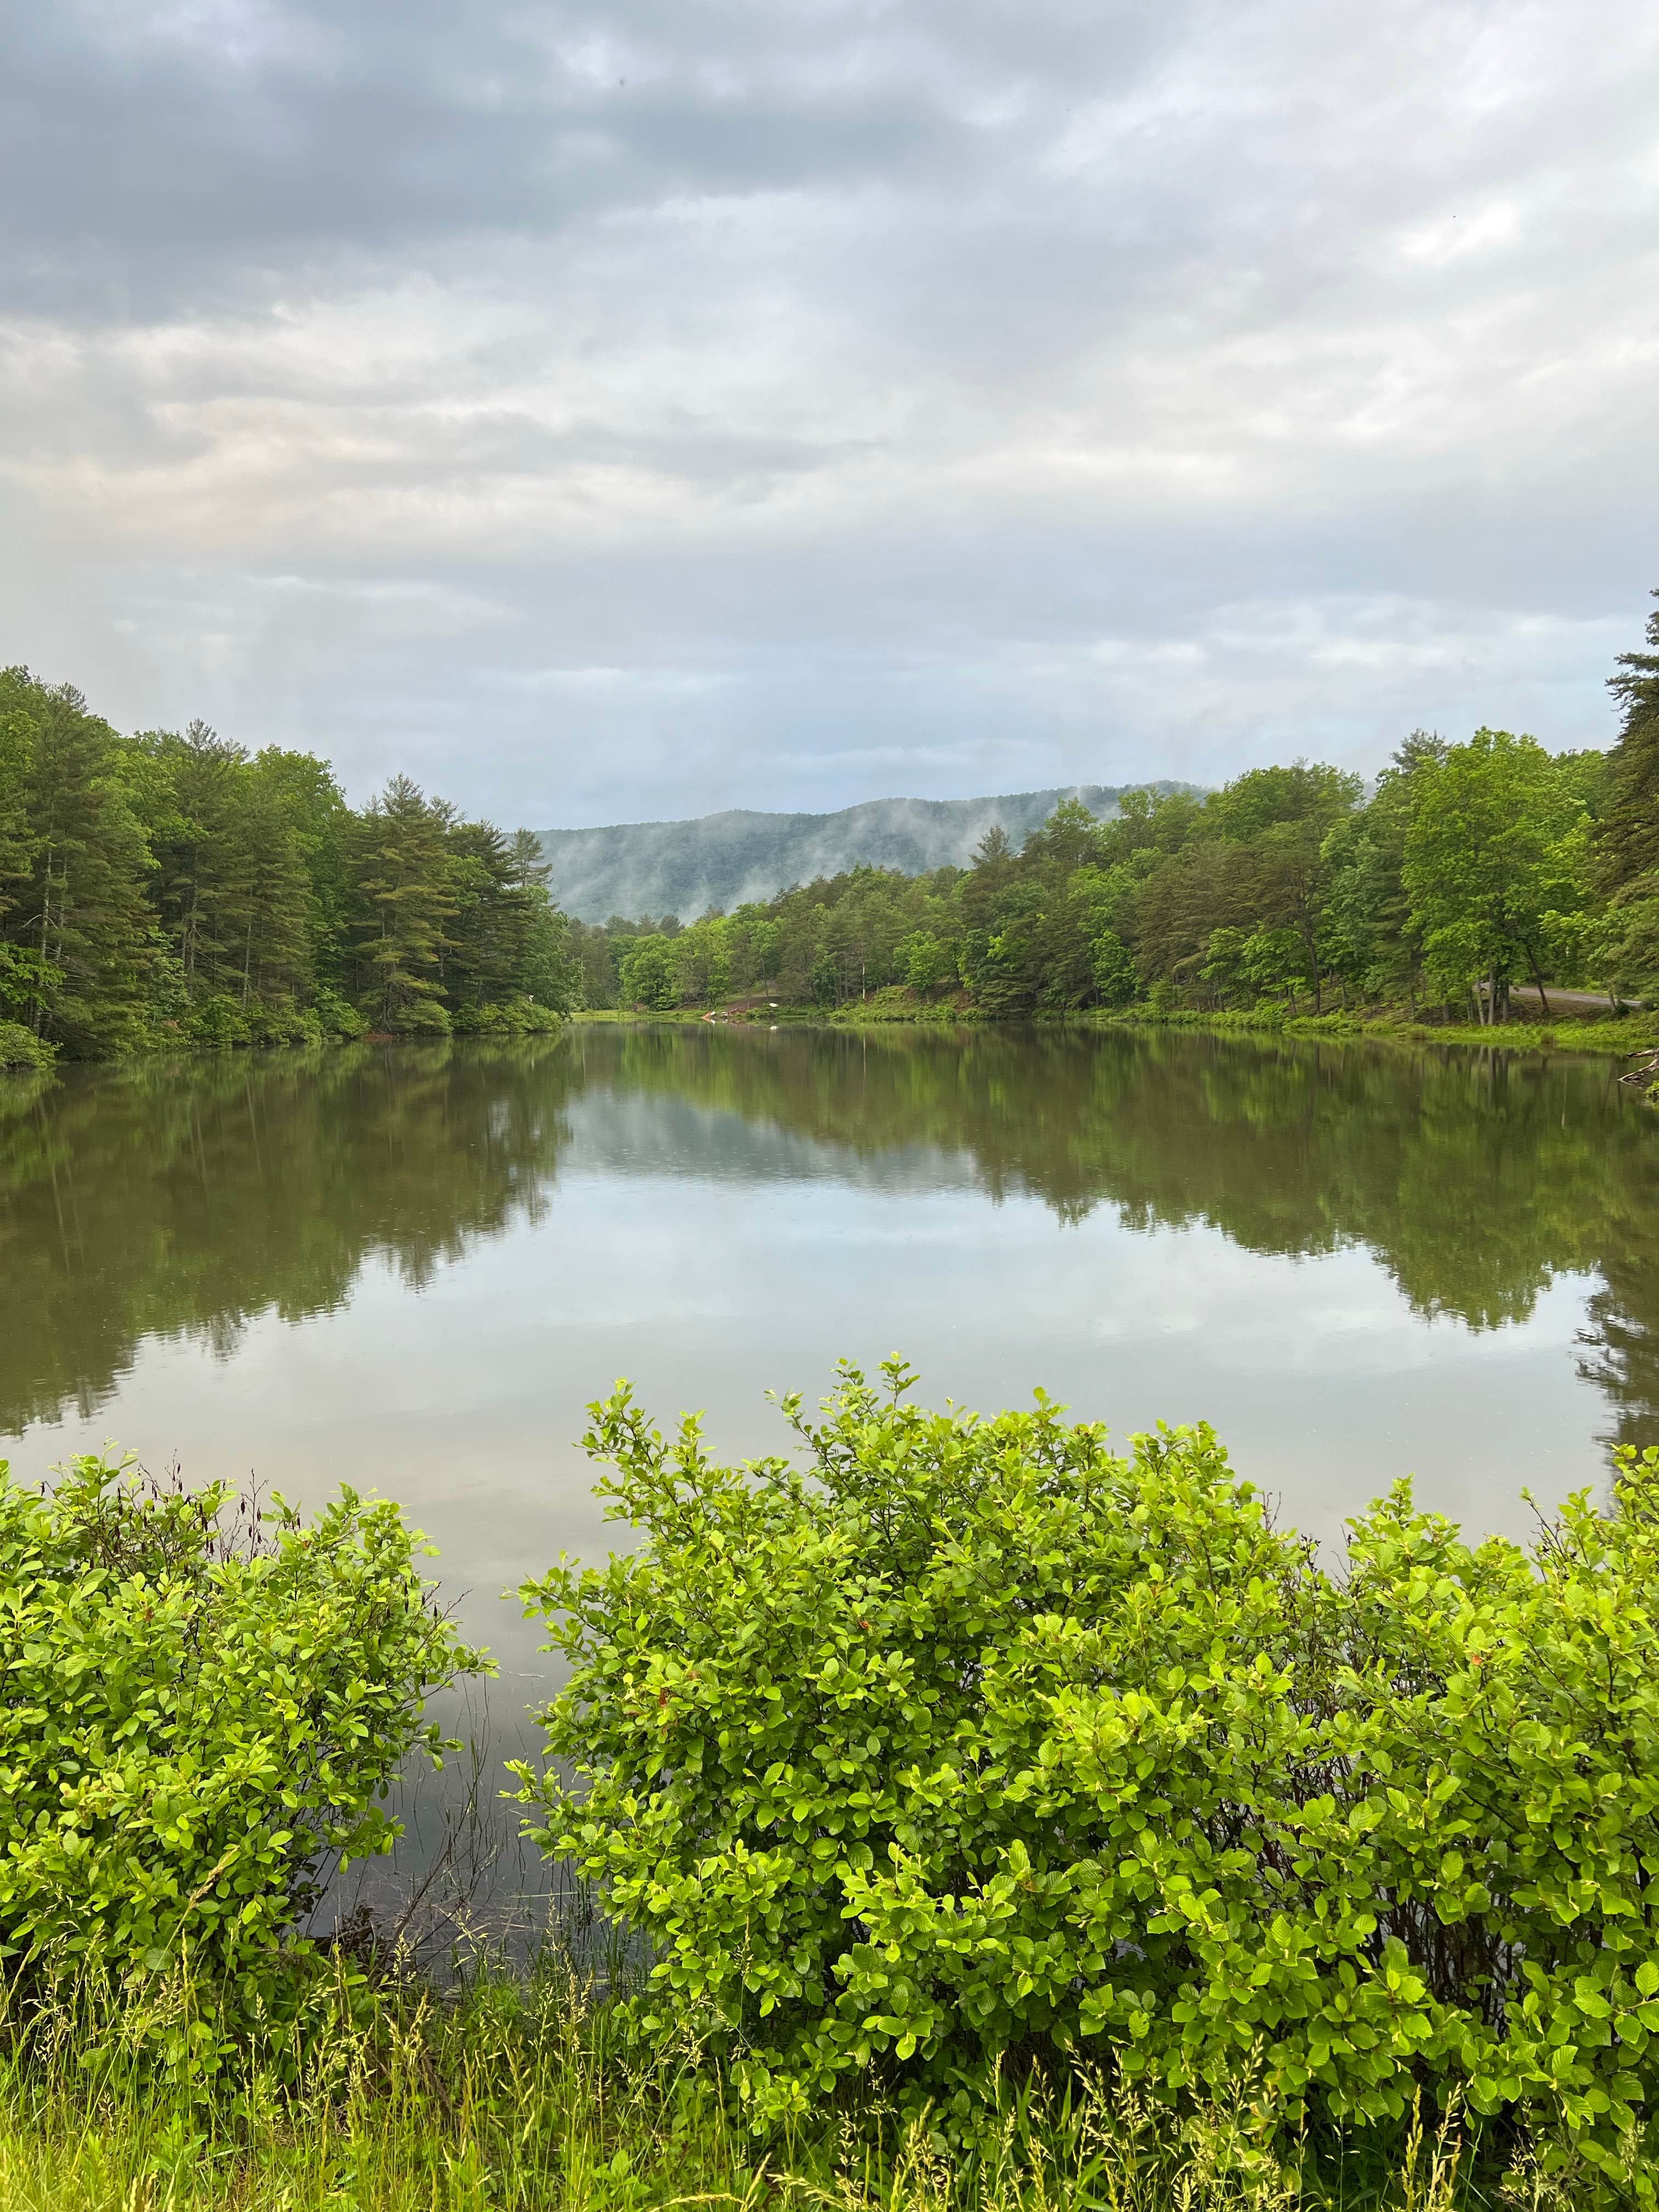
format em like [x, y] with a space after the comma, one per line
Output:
[403, 895]
[75, 930]
[314, 809]
[230, 885]
[928, 965]
[647, 975]
[1625, 844]
[484, 930]
[1370, 938]
[1493, 863]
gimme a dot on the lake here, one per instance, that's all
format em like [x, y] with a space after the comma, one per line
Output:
[410, 1268]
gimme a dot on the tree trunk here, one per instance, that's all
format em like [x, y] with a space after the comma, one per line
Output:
[1538, 978]
[45, 925]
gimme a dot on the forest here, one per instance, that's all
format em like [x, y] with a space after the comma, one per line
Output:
[166, 889]
[1469, 868]
[161, 889]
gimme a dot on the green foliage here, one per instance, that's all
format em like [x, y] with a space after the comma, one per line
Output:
[519, 1016]
[146, 881]
[1470, 868]
[1624, 843]
[162, 890]
[228, 879]
[20, 1048]
[1494, 862]
[929, 965]
[1627, 838]
[217, 1023]
[646, 976]
[74, 925]
[981, 1742]
[202, 1712]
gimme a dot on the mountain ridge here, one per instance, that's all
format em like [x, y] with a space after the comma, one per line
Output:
[727, 858]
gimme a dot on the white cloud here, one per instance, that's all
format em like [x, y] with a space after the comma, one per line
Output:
[769, 405]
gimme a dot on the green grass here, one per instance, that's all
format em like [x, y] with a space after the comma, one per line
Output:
[643, 1014]
[516, 2093]
[1611, 1038]
[1608, 1039]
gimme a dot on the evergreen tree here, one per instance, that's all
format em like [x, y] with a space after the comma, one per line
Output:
[78, 934]
[230, 884]
[1624, 843]
[1626, 839]
[319, 820]
[403, 896]
[485, 930]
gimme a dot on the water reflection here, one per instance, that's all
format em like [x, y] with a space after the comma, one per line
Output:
[1474, 1179]
[179, 1200]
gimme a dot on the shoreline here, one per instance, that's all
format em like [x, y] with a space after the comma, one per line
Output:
[1618, 1037]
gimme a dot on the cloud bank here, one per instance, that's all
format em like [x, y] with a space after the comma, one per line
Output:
[625, 411]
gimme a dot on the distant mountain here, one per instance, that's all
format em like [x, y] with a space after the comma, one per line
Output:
[723, 860]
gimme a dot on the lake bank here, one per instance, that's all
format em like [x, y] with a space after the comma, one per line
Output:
[1626, 1035]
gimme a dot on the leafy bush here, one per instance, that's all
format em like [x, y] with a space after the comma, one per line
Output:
[338, 1018]
[519, 1016]
[20, 1048]
[218, 1022]
[281, 1026]
[419, 1017]
[202, 1712]
[977, 1743]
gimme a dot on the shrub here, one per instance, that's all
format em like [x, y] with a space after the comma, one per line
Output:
[280, 1026]
[519, 1016]
[979, 1744]
[419, 1017]
[202, 1713]
[20, 1048]
[217, 1023]
[338, 1018]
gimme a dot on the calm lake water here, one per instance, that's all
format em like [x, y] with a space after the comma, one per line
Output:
[411, 1268]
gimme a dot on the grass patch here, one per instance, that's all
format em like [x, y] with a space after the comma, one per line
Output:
[1628, 1034]
[591, 1014]
[525, 2092]
[896, 1003]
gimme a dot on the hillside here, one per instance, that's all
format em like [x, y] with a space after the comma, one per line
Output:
[635, 868]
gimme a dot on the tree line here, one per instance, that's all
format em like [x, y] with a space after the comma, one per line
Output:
[165, 888]
[1467, 869]
[173, 888]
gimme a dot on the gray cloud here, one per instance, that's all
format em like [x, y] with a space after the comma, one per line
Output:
[629, 411]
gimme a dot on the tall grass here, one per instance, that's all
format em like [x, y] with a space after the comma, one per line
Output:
[520, 2091]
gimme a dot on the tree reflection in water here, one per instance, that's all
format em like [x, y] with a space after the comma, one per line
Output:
[182, 1199]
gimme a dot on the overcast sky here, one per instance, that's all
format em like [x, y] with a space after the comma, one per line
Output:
[626, 410]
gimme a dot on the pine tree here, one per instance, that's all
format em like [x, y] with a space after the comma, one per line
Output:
[318, 818]
[272, 913]
[486, 930]
[1626, 839]
[77, 926]
[403, 893]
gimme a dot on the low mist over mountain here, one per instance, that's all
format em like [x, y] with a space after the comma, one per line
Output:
[635, 868]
